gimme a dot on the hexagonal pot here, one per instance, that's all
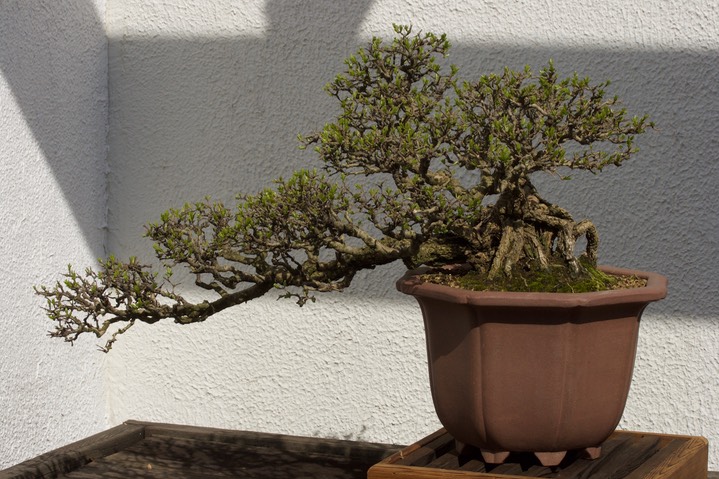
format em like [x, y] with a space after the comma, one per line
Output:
[531, 372]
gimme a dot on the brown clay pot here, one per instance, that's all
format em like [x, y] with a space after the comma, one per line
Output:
[531, 372]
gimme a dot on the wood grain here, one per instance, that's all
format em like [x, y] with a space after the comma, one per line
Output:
[77, 454]
[150, 450]
[625, 455]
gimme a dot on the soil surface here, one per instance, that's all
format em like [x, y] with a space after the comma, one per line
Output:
[553, 280]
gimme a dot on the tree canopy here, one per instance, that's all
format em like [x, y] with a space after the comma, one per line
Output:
[419, 166]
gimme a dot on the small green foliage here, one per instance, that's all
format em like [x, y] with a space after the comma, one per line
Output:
[446, 167]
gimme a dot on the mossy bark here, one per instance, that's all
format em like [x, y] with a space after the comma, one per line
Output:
[530, 232]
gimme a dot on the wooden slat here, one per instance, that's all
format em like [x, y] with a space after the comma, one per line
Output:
[77, 454]
[581, 465]
[361, 451]
[189, 453]
[506, 469]
[620, 461]
[114, 468]
[195, 456]
[110, 469]
[472, 465]
[430, 448]
[171, 457]
[387, 471]
[686, 461]
[448, 460]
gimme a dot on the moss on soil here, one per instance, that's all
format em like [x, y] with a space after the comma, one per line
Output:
[555, 279]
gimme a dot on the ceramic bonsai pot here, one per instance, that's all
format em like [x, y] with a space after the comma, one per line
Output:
[531, 372]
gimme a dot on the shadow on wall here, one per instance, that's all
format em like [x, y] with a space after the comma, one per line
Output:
[218, 115]
[48, 53]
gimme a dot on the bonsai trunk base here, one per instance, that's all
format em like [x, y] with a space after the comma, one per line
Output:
[544, 373]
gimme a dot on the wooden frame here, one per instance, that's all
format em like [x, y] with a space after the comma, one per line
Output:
[625, 455]
[142, 449]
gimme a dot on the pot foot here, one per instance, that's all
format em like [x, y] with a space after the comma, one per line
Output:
[593, 452]
[549, 459]
[494, 457]
[490, 457]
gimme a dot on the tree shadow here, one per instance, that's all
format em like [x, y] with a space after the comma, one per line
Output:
[47, 70]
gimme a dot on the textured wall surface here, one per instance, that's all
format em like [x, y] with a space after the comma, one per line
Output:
[53, 127]
[207, 98]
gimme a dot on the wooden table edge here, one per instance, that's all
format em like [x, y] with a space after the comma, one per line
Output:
[75, 455]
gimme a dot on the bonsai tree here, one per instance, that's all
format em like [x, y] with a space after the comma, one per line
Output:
[445, 169]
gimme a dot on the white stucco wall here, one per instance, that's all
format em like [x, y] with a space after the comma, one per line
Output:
[207, 98]
[53, 124]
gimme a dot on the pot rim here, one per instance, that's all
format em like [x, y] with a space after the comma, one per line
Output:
[654, 290]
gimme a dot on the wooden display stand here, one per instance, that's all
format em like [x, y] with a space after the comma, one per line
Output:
[625, 455]
[150, 450]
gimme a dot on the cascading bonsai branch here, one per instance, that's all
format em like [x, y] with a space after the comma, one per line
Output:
[446, 169]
